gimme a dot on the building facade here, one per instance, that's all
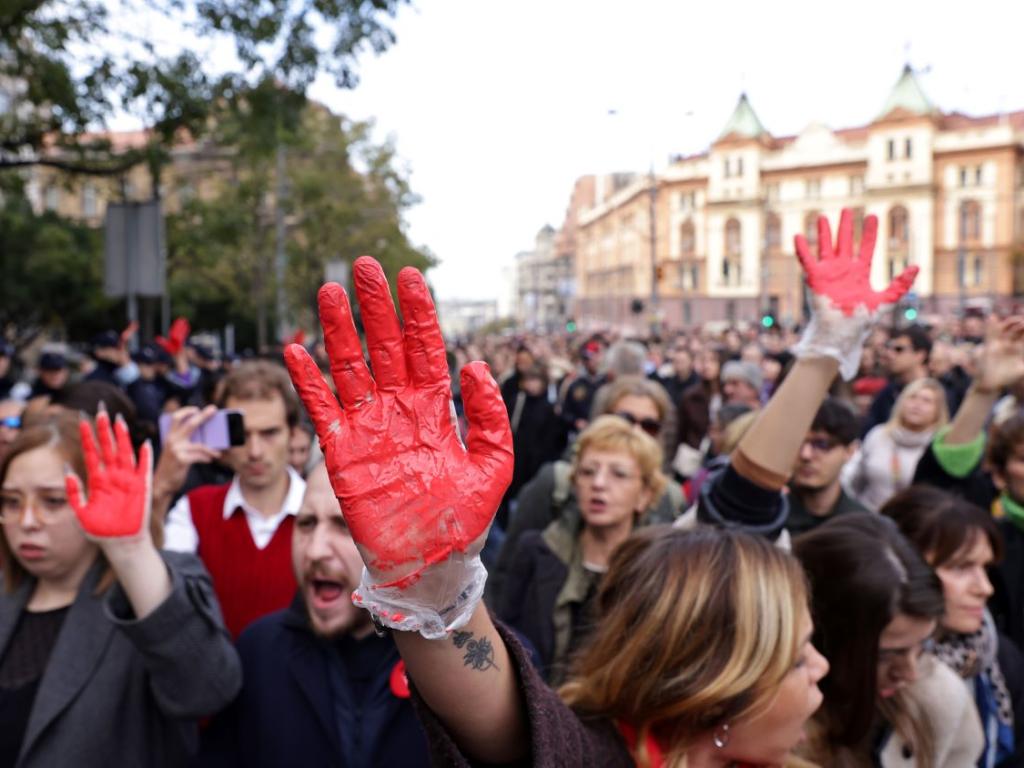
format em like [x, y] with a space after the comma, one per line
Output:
[948, 191]
[541, 302]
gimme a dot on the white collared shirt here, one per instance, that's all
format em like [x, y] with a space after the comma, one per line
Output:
[180, 533]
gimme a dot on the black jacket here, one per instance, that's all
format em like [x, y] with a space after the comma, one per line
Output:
[301, 704]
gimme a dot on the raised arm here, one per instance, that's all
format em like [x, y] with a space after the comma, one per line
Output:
[417, 502]
[1000, 364]
[844, 306]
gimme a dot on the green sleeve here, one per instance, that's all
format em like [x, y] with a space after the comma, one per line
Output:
[958, 460]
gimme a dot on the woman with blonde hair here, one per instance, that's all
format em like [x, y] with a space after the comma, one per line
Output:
[888, 457]
[549, 589]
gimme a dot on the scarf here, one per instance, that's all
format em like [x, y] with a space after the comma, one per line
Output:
[975, 656]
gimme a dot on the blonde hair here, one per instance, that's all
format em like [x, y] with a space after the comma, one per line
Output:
[942, 415]
[695, 629]
[611, 433]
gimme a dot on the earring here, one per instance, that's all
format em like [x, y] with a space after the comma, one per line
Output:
[720, 738]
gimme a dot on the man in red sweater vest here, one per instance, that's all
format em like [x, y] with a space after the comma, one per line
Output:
[241, 530]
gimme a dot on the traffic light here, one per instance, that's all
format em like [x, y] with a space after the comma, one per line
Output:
[910, 313]
[767, 320]
[570, 326]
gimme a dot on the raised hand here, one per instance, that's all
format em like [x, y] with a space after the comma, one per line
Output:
[417, 502]
[176, 337]
[840, 276]
[117, 502]
[844, 301]
[1001, 362]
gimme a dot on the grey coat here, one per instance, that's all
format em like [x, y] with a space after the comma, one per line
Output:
[122, 692]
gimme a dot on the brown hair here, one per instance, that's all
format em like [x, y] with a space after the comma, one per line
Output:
[259, 380]
[941, 524]
[58, 431]
[1003, 440]
[695, 629]
[638, 387]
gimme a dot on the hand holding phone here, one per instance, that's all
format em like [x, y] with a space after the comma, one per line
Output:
[221, 430]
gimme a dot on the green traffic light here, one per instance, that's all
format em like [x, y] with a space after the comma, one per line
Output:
[767, 321]
[910, 313]
[570, 327]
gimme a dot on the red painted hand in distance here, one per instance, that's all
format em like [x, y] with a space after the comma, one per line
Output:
[837, 274]
[118, 501]
[176, 337]
[411, 494]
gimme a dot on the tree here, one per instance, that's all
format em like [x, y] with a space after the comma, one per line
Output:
[343, 196]
[52, 271]
[67, 67]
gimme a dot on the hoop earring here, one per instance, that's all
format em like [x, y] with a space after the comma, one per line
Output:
[720, 738]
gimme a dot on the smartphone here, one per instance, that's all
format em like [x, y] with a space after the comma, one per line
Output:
[225, 429]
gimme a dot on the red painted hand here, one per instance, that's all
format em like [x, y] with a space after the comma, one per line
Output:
[176, 337]
[411, 494]
[118, 502]
[841, 277]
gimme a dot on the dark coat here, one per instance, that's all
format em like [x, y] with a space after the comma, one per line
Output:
[120, 691]
[297, 698]
[559, 738]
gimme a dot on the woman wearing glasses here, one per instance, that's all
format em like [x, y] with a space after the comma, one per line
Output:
[548, 593]
[109, 651]
[876, 605]
[550, 495]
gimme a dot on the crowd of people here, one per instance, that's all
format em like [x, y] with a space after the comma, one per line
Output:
[739, 546]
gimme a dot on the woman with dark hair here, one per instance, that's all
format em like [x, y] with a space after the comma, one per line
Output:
[110, 651]
[961, 541]
[875, 604]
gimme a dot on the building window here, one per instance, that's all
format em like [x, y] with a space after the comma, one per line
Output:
[695, 276]
[963, 176]
[684, 200]
[899, 228]
[858, 224]
[908, 147]
[813, 187]
[772, 232]
[811, 227]
[739, 166]
[89, 203]
[977, 176]
[687, 239]
[732, 237]
[970, 221]
[979, 270]
[731, 264]
[891, 149]
[856, 185]
[727, 168]
[52, 198]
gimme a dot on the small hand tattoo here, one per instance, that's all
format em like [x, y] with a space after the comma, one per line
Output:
[479, 653]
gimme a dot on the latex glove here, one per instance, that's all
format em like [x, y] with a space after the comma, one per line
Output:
[117, 505]
[418, 503]
[176, 337]
[844, 303]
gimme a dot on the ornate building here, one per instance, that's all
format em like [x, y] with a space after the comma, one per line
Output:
[948, 191]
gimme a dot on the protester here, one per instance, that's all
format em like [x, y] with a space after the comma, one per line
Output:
[550, 494]
[887, 459]
[578, 390]
[741, 383]
[409, 584]
[961, 542]
[7, 380]
[54, 375]
[242, 529]
[320, 687]
[300, 447]
[680, 374]
[109, 650]
[888, 702]
[905, 359]
[549, 590]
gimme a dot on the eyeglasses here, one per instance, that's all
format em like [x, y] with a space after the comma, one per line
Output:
[914, 652]
[47, 507]
[11, 422]
[651, 426]
[821, 444]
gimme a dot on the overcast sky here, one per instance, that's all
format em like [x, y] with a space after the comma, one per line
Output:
[498, 106]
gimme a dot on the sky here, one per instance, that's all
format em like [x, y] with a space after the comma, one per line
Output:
[497, 107]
